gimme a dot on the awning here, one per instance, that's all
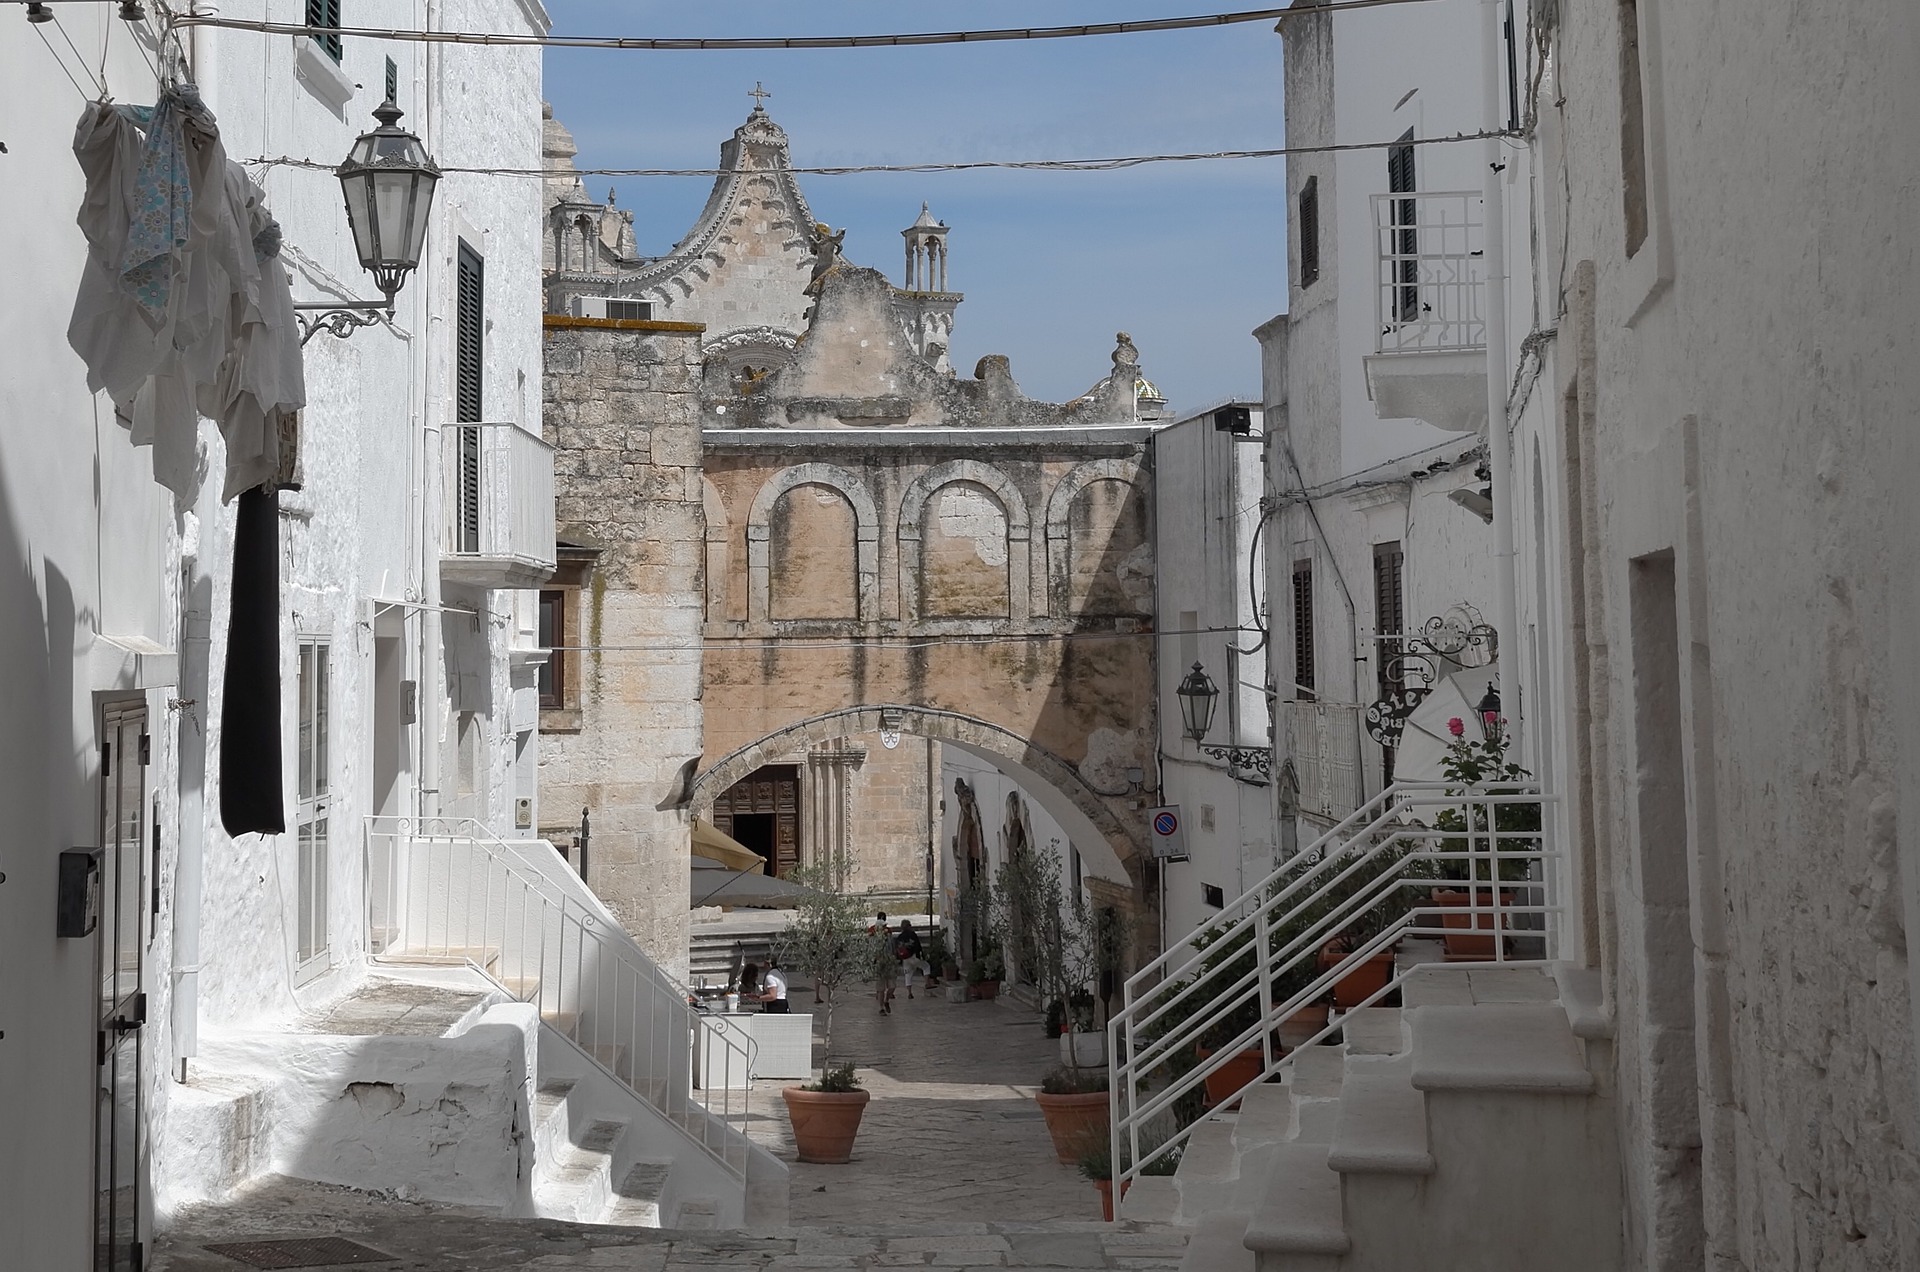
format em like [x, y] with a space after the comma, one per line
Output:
[1425, 740]
[714, 845]
[711, 883]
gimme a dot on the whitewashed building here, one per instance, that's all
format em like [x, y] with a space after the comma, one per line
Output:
[1210, 608]
[237, 991]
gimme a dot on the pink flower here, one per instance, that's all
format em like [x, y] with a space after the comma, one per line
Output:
[1457, 727]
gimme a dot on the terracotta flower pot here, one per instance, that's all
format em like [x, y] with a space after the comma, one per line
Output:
[1076, 1122]
[1225, 1083]
[984, 989]
[1302, 1025]
[1463, 942]
[1362, 981]
[824, 1122]
[1105, 1188]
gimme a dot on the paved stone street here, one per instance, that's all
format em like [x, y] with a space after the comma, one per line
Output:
[952, 1130]
[953, 1169]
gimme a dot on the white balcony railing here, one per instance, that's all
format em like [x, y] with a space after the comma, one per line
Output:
[499, 506]
[1430, 267]
[1323, 743]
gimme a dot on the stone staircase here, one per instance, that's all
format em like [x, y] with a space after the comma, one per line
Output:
[594, 1170]
[1469, 1128]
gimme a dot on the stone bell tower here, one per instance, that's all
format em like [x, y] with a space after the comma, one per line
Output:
[923, 302]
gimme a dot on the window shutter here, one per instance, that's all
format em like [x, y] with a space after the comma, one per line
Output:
[1406, 238]
[469, 351]
[1303, 628]
[326, 14]
[1310, 231]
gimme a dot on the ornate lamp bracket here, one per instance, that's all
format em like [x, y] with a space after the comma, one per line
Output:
[339, 317]
[1243, 757]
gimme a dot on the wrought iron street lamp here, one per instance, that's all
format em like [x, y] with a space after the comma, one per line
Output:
[388, 179]
[1198, 699]
[1492, 726]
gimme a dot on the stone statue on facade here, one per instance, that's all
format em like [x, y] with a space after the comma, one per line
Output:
[826, 254]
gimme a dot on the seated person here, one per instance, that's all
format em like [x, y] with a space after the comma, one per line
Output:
[773, 998]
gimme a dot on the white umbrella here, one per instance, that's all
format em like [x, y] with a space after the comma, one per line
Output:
[1424, 741]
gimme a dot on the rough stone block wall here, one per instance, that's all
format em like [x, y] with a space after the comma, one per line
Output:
[889, 835]
[621, 414]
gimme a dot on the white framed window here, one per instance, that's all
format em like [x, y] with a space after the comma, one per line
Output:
[313, 796]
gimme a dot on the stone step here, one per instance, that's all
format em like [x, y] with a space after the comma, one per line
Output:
[525, 989]
[1151, 1199]
[1210, 1157]
[577, 1182]
[551, 1098]
[485, 957]
[566, 1022]
[1266, 1115]
[697, 1214]
[1516, 1047]
[1299, 1208]
[1319, 1071]
[1436, 985]
[1219, 1245]
[636, 1202]
[1374, 1031]
[1382, 1126]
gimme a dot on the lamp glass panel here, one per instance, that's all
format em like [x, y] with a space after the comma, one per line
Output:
[358, 189]
[392, 203]
[423, 186]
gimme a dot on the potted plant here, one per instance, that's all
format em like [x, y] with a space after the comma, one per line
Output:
[1470, 937]
[984, 973]
[1097, 1164]
[1362, 922]
[1074, 1103]
[826, 940]
[939, 958]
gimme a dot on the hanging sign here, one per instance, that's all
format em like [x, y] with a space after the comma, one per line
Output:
[1169, 835]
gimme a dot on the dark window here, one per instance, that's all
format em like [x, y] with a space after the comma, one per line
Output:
[470, 335]
[1389, 619]
[1303, 629]
[393, 80]
[1513, 74]
[325, 14]
[1310, 231]
[1406, 238]
[553, 634]
[1633, 130]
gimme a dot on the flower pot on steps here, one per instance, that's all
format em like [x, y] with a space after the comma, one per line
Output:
[1105, 1188]
[984, 989]
[1076, 1122]
[824, 1122]
[1362, 981]
[1464, 942]
[1225, 1083]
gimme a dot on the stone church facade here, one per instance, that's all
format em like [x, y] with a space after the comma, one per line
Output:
[803, 555]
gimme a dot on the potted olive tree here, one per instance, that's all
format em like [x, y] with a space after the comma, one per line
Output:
[826, 941]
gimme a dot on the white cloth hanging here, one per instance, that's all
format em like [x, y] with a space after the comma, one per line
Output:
[183, 308]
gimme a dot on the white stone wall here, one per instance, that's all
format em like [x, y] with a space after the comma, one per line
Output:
[1207, 488]
[1742, 419]
[86, 545]
[99, 550]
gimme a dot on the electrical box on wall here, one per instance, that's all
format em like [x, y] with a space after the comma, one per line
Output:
[77, 911]
[409, 701]
[523, 812]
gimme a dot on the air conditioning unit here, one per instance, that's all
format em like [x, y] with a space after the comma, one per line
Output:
[610, 307]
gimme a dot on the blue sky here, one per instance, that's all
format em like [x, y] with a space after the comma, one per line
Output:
[1188, 258]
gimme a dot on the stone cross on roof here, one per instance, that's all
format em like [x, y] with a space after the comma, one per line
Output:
[759, 96]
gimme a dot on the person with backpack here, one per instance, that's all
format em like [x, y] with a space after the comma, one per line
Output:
[906, 948]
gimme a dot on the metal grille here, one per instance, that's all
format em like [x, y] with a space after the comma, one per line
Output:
[302, 1252]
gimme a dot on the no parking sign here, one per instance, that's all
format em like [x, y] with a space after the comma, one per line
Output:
[1169, 833]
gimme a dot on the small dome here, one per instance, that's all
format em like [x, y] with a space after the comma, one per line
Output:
[1144, 391]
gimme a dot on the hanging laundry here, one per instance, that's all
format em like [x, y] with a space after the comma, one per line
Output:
[160, 218]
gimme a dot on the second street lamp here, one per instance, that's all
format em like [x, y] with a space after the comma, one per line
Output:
[1198, 699]
[388, 179]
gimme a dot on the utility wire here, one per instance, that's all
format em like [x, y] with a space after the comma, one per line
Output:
[1109, 164]
[909, 40]
[807, 644]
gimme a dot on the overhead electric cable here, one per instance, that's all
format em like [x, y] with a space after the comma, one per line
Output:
[1111, 164]
[743, 43]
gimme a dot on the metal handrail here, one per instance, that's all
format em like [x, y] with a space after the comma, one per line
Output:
[449, 889]
[1286, 920]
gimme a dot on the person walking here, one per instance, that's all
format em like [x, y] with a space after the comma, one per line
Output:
[906, 948]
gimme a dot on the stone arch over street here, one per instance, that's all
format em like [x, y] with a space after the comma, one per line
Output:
[1106, 831]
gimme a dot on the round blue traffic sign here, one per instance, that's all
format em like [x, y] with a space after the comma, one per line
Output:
[1165, 823]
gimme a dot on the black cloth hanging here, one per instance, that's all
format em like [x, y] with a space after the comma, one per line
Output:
[250, 788]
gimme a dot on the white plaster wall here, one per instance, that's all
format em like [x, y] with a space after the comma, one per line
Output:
[1207, 491]
[86, 546]
[1747, 421]
[991, 788]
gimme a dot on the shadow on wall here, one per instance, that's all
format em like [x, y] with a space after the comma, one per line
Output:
[46, 1084]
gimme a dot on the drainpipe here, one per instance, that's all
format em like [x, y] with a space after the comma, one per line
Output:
[1499, 432]
[188, 870]
[191, 712]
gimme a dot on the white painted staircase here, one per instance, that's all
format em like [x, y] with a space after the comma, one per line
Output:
[1469, 1129]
